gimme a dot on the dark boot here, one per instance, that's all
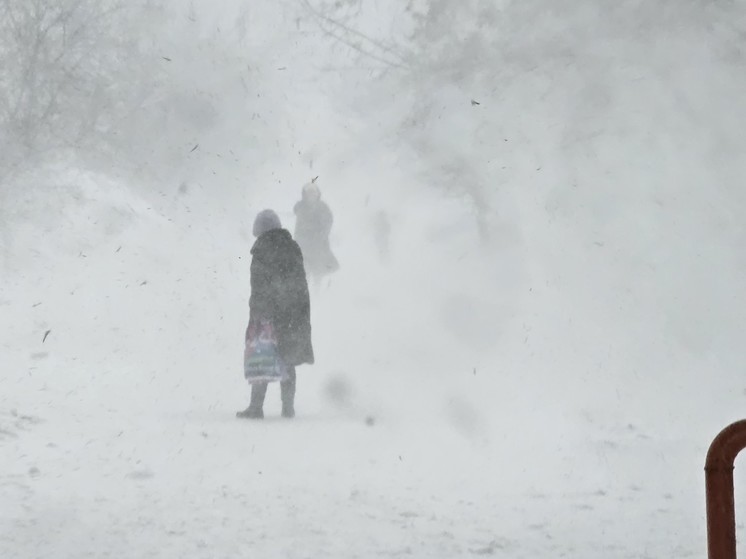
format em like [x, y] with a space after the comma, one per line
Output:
[287, 392]
[256, 407]
[250, 413]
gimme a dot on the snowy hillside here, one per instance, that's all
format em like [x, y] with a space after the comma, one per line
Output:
[537, 368]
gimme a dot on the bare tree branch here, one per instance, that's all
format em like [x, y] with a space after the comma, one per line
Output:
[323, 21]
[388, 48]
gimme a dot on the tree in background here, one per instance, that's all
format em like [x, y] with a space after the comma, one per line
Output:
[434, 54]
[133, 85]
[519, 98]
[65, 68]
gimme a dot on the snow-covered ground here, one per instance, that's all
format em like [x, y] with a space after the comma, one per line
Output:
[551, 394]
[417, 435]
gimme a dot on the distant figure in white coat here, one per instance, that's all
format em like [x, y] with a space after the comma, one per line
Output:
[382, 233]
[313, 225]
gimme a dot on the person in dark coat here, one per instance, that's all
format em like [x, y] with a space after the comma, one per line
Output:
[313, 224]
[279, 292]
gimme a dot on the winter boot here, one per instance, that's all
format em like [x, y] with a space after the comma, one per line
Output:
[251, 413]
[287, 393]
[288, 410]
[255, 409]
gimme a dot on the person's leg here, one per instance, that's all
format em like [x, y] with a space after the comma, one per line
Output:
[287, 391]
[258, 392]
[256, 407]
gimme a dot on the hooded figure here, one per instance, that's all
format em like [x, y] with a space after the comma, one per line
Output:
[313, 224]
[279, 292]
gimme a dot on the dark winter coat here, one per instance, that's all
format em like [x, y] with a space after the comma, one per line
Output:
[279, 292]
[313, 224]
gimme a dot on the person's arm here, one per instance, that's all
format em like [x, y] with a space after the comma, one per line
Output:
[297, 284]
[260, 302]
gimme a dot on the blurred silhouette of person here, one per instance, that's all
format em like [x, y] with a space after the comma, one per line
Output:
[313, 224]
[382, 233]
[279, 293]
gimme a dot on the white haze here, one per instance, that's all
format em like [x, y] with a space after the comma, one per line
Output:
[548, 391]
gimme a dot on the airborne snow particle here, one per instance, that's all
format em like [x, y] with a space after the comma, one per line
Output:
[140, 474]
[339, 391]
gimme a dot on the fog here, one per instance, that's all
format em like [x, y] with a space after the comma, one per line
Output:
[531, 363]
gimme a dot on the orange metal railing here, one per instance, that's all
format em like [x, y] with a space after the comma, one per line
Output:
[721, 509]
